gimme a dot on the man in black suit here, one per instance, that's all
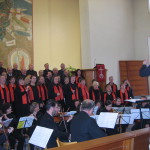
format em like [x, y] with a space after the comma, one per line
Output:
[48, 122]
[83, 127]
[46, 70]
[16, 73]
[31, 71]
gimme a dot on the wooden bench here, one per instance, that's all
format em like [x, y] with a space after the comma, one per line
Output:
[134, 140]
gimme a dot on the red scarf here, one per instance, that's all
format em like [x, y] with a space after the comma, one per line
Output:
[128, 88]
[31, 94]
[24, 96]
[11, 89]
[85, 92]
[7, 100]
[93, 95]
[105, 95]
[121, 96]
[114, 87]
[58, 89]
[77, 78]
[75, 94]
[43, 91]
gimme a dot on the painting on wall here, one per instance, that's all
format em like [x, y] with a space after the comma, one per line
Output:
[16, 42]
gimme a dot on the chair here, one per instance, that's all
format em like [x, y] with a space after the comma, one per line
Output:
[59, 143]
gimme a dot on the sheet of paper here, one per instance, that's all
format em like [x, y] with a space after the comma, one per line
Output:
[133, 100]
[6, 123]
[40, 136]
[145, 113]
[29, 121]
[107, 120]
[125, 110]
[135, 113]
[21, 124]
[25, 122]
[124, 119]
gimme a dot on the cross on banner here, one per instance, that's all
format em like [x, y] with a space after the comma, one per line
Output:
[101, 72]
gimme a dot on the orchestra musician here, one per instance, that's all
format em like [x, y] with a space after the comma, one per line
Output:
[16, 134]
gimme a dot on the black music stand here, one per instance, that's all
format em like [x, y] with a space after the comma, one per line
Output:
[140, 101]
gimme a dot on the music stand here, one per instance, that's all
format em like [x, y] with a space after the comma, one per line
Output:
[25, 122]
[140, 101]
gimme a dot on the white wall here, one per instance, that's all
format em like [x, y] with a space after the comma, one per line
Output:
[111, 33]
[141, 28]
[85, 34]
[56, 33]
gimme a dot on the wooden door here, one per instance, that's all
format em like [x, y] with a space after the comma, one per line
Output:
[130, 70]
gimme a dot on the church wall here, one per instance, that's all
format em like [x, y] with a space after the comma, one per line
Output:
[111, 33]
[56, 33]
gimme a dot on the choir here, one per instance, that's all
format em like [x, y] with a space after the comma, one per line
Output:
[25, 93]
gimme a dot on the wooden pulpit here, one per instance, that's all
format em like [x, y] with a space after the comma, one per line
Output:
[90, 74]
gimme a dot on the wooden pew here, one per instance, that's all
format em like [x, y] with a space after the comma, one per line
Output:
[134, 140]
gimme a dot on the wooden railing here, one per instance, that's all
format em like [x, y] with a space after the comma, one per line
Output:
[134, 140]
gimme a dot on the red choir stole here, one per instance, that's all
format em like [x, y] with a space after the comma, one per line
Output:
[85, 92]
[122, 97]
[75, 94]
[43, 92]
[25, 99]
[114, 87]
[127, 88]
[77, 78]
[11, 89]
[58, 89]
[113, 95]
[93, 95]
[31, 94]
[7, 98]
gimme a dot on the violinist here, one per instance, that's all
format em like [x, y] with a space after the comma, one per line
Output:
[47, 121]
[118, 103]
[16, 134]
[3, 133]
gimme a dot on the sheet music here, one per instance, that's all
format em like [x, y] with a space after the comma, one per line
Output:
[41, 136]
[6, 123]
[124, 119]
[25, 122]
[133, 100]
[145, 113]
[126, 110]
[29, 121]
[135, 113]
[107, 120]
[71, 113]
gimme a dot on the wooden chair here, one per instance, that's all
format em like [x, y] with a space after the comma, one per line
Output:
[59, 143]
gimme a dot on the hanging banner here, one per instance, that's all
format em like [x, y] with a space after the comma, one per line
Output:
[101, 72]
